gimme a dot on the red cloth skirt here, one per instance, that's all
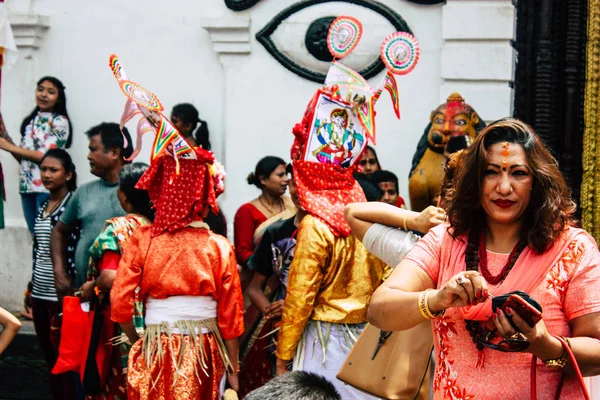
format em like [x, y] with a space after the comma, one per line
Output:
[160, 380]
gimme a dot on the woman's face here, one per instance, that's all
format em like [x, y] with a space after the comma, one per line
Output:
[277, 183]
[53, 174]
[46, 96]
[369, 163]
[507, 184]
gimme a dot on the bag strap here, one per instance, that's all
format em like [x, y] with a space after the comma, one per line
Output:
[92, 384]
[567, 348]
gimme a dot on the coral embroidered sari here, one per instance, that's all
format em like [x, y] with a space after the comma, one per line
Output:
[564, 280]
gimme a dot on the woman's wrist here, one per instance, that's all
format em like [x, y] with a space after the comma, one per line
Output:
[432, 302]
[414, 223]
[547, 348]
[409, 223]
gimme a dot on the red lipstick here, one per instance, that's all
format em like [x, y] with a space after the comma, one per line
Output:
[504, 203]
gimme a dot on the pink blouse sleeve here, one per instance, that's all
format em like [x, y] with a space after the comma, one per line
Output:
[426, 253]
[582, 295]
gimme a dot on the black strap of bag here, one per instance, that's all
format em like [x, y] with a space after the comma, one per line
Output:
[91, 375]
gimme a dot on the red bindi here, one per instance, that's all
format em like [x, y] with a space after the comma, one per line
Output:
[505, 153]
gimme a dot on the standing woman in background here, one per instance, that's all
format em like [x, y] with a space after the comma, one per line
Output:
[58, 176]
[47, 127]
[271, 178]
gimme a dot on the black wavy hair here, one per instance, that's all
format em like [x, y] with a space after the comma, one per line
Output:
[67, 163]
[60, 108]
[112, 137]
[188, 114]
[550, 207]
[264, 168]
[129, 176]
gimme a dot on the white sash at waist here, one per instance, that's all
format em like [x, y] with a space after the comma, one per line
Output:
[177, 308]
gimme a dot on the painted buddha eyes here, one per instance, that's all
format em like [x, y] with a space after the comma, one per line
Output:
[296, 37]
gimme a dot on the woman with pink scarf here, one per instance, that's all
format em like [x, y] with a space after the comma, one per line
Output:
[510, 228]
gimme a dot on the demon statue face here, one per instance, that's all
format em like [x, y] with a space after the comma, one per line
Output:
[452, 127]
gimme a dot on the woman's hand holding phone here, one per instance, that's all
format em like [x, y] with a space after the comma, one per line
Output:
[517, 317]
[526, 311]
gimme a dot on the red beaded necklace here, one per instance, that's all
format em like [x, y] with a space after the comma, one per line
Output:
[483, 264]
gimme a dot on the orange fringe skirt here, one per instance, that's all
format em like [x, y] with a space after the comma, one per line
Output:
[177, 376]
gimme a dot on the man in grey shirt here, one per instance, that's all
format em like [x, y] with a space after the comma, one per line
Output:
[92, 204]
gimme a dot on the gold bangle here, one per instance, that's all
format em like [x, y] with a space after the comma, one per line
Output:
[560, 362]
[405, 227]
[437, 314]
[424, 306]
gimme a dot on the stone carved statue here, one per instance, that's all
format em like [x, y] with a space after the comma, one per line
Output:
[452, 127]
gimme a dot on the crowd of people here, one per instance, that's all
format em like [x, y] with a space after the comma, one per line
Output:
[319, 253]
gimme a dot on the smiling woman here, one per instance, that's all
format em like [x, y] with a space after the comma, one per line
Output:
[48, 126]
[510, 229]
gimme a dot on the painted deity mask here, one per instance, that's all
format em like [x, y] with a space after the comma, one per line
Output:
[453, 119]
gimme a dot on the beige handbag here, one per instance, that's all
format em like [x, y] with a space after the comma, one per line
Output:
[391, 365]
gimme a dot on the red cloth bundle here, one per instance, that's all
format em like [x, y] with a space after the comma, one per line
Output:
[75, 332]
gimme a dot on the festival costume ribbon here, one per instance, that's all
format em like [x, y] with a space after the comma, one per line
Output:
[144, 104]
[339, 121]
[182, 181]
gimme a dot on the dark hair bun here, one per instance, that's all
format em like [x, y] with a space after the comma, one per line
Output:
[251, 179]
[264, 169]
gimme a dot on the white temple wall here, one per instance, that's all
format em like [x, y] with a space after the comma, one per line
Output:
[249, 99]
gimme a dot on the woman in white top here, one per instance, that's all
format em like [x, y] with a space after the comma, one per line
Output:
[47, 127]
